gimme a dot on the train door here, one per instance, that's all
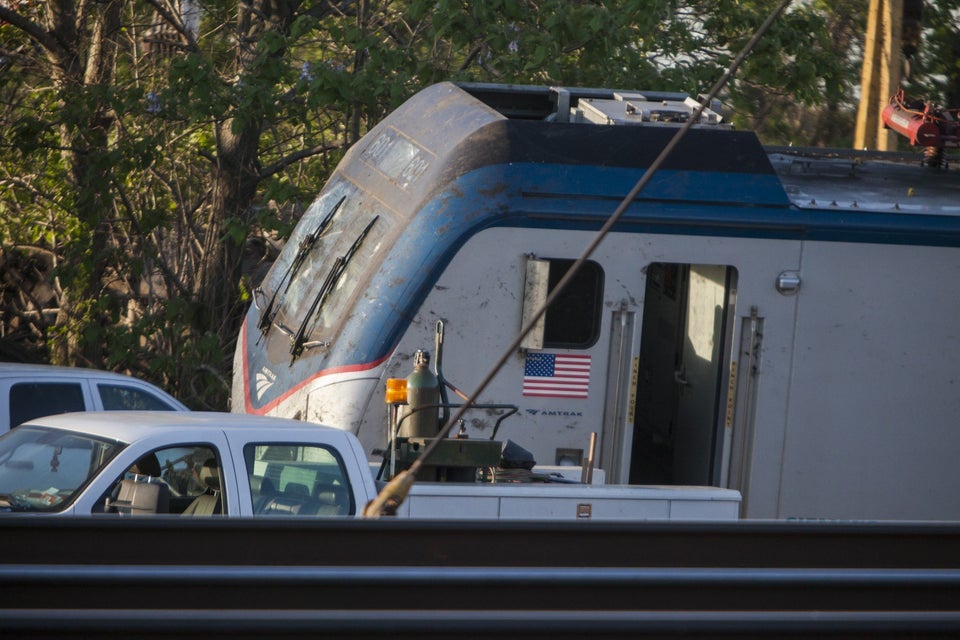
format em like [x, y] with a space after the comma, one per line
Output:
[686, 330]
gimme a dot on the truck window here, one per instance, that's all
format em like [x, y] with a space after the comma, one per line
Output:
[188, 475]
[297, 480]
[29, 400]
[116, 397]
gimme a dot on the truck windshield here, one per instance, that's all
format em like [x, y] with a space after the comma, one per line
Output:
[44, 469]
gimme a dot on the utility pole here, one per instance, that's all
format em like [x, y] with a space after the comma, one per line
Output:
[880, 77]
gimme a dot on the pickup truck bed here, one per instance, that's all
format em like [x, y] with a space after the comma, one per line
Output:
[570, 501]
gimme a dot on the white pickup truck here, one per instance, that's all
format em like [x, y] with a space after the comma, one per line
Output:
[30, 391]
[200, 464]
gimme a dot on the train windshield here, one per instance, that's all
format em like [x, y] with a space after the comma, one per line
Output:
[309, 289]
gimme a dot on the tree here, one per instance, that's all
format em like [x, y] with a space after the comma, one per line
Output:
[139, 101]
[79, 64]
[935, 66]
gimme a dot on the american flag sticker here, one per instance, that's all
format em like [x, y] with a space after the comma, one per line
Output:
[556, 375]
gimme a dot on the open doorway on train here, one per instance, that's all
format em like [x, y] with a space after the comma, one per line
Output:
[688, 315]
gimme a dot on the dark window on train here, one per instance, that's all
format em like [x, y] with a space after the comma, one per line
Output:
[573, 320]
[29, 400]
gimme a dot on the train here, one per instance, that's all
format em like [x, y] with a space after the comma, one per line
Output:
[776, 320]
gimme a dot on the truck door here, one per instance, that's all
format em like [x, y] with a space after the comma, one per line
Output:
[684, 352]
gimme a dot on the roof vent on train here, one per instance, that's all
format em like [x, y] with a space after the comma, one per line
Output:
[636, 108]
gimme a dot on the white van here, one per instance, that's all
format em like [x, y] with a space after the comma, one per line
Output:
[30, 391]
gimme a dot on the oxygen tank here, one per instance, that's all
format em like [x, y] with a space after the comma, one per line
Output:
[423, 390]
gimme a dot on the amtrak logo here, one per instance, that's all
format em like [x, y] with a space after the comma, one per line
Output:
[549, 412]
[265, 379]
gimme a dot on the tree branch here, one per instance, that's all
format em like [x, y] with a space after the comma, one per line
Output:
[174, 21]
[29, 27]
[157, 255]
[286, 161]
[323, 10]
[471, 57]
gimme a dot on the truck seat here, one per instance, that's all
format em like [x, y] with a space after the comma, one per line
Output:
[137, 497]
[295, 500]
[297, 489]
[331, 495]
[262, 490]
[207, 503]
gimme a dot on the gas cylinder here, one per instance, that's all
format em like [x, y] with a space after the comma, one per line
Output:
[423, 390]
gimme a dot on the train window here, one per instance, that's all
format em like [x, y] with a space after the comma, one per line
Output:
[308, 290]
[573, 320]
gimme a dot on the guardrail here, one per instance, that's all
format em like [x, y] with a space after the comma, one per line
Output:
[152, 577]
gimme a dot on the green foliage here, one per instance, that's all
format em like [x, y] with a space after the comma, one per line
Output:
[935, 68]
[236, 229]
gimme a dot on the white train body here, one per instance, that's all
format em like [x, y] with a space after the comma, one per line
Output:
[781, 324]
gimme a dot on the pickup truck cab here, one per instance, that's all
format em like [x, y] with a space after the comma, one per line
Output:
[197, 464]
[30, 391]
[194, 463]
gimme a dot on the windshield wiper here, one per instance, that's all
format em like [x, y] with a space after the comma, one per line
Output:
[268, 313]
[298, 344]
